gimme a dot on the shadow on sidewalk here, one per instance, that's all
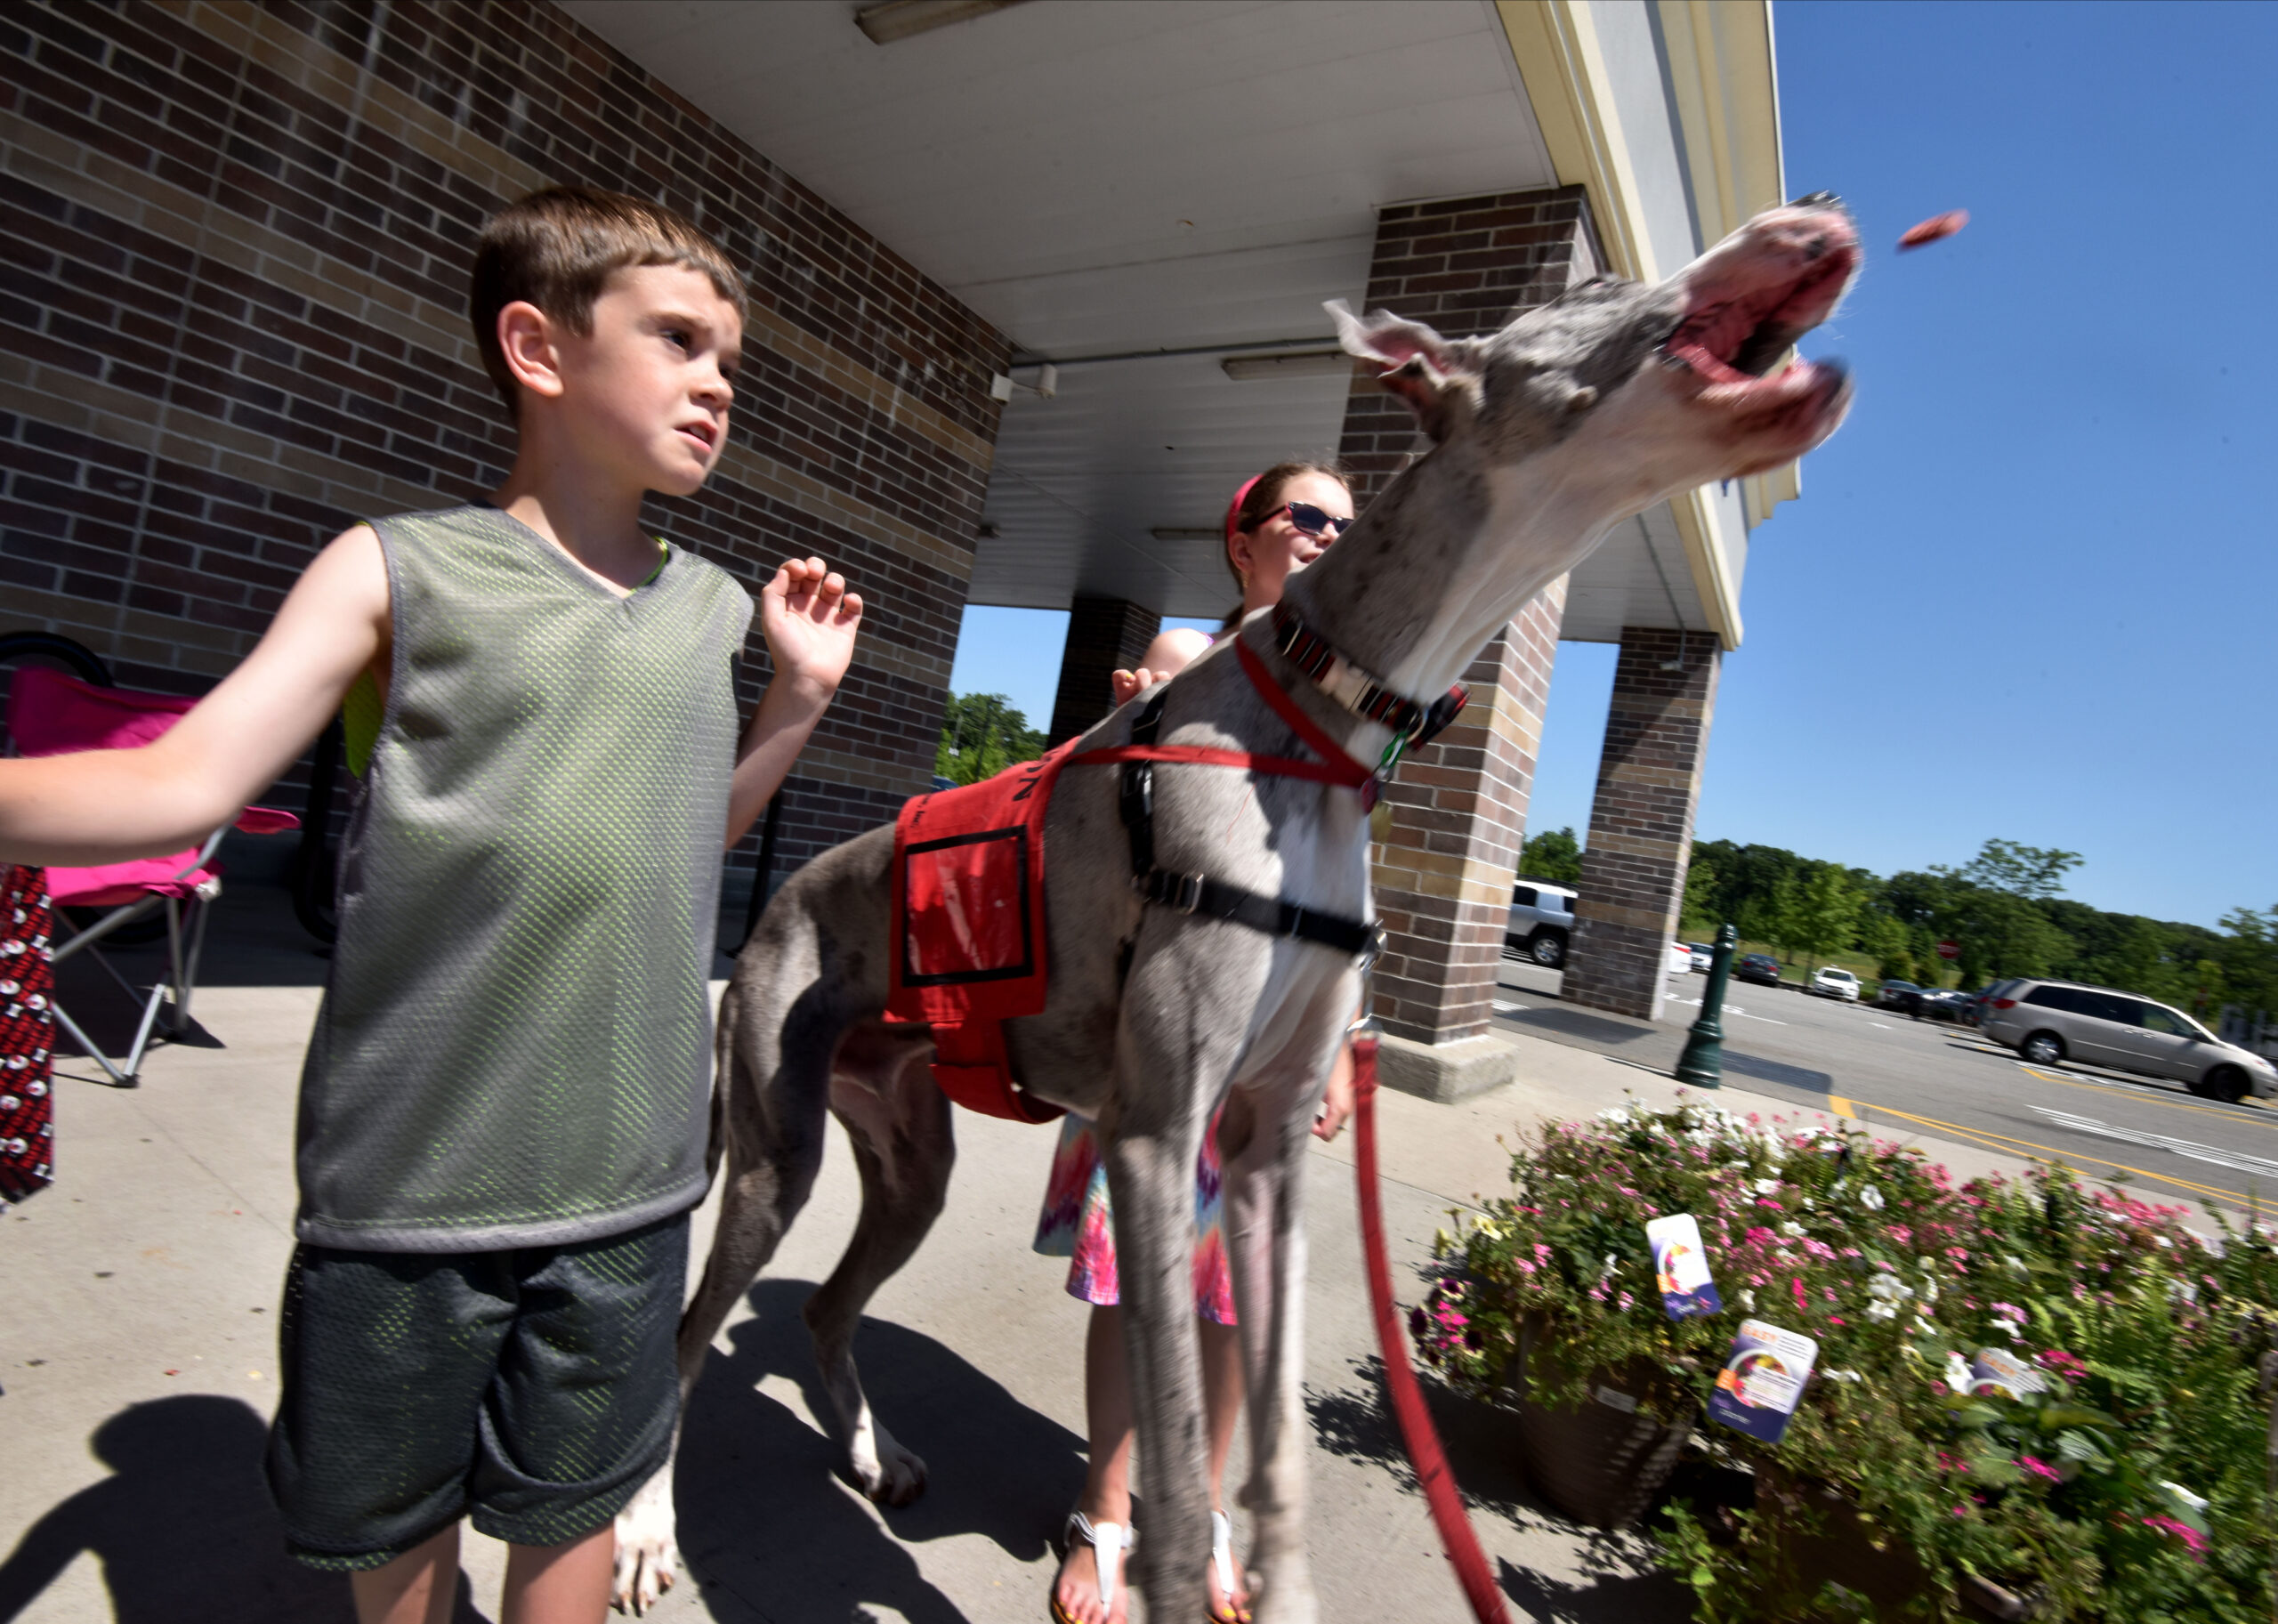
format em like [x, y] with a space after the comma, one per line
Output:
[1618, 1583]
[768, 1518]
[183, 1527]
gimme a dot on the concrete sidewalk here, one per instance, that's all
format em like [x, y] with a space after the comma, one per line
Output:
[138, 1360]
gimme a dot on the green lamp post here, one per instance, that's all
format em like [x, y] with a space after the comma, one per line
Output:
[1702, 1063]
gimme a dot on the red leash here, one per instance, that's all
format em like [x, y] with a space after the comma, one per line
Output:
[1423, 1440]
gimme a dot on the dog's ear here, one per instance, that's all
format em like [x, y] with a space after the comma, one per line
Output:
[1435, 375]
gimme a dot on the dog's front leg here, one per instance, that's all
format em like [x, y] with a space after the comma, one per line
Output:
[1266, 1246]
[1170, 1069]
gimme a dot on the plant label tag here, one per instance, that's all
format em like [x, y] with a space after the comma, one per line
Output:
[1996, 1370]
[1762, 1380]
[1680, 1267]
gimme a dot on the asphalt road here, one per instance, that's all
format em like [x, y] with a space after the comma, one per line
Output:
[1940, 1080]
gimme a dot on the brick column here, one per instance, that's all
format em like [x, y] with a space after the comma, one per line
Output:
[1104, 635]
[1451, 824]
[1641, 821]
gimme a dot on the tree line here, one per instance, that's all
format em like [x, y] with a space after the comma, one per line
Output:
[982, 735]
[2004, 909]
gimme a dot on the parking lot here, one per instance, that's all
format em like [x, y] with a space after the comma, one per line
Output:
[1906, 1076]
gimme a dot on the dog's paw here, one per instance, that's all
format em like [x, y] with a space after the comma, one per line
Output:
[889, 1474]
[648, 1558]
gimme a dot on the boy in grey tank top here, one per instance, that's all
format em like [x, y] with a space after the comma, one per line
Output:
[505, 1106]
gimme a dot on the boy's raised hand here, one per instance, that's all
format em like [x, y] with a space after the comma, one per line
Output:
[810, 620]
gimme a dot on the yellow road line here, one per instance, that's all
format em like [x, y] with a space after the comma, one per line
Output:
[2147, 1096]
[2005, 1144]
[1842, 1107]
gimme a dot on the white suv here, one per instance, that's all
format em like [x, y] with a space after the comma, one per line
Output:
[1833, 983]
[1542, 918]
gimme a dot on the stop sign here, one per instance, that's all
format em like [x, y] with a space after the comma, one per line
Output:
[1950, 950]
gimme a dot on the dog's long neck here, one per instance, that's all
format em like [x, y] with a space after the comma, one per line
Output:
[1448, 554]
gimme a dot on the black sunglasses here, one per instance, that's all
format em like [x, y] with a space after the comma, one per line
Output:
[1313, 521]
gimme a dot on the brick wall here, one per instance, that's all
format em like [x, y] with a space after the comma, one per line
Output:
[1641, 819]
[233, 295]
[1104, 635]
[1462, 266]
[1458, 808]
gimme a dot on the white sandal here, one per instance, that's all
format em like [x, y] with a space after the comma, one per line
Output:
[1222, 1558]
[1109, 1542]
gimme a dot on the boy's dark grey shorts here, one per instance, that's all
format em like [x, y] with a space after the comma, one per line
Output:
[533, 1389]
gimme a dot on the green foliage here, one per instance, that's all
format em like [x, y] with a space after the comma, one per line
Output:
[982, 735]
[2022, 870]
[1823, 913]
[1554, 854]
[2002, 909]
[2127, 1487]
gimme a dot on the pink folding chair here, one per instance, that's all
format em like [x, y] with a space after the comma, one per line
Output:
[50, 714]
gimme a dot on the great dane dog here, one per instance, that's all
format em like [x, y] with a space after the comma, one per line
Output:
[1572, 418]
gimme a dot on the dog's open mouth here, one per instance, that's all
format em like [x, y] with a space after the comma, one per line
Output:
[1734, 341]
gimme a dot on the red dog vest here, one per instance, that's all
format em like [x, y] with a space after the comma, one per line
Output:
[968, 927]
[968, 919]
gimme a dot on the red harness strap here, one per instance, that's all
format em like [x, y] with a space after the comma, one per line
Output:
[969, 950]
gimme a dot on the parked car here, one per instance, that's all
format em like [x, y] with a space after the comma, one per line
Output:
[1898, 995]
[2049, 1023]
[1542, 919]
[1833, 981]
[1703, 956]
[1759, 967]
[1942, 1003]
[1680, 959]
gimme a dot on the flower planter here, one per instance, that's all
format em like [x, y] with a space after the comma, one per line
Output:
[1844, 1547]
[1604, 1462]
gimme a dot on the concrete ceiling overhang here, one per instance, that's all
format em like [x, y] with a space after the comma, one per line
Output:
[1103, 179]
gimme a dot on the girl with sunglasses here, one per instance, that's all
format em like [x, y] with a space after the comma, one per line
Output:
[1276, 524]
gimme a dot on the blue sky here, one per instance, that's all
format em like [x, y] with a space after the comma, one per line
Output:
[2031, 589]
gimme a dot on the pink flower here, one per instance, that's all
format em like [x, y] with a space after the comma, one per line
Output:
[1797, 1285]
[2071, 1366]
[2193, 1540]
[2040, 1468]
[1765, 1200]
[1950, 1463]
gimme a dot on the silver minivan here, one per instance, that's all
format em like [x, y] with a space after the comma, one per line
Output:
[2051, 1022]
[1542, 918]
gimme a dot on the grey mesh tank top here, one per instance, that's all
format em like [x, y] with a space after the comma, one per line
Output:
[513, 1047]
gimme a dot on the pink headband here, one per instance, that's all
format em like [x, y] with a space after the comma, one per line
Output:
[1234, 508]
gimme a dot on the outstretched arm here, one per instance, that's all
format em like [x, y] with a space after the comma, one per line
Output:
[810, 620]
[102, 806]
[1165, 659]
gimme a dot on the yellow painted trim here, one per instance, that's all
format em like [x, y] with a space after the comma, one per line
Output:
[1556, 44]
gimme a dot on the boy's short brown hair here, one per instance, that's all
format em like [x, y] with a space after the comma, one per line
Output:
[556, 248]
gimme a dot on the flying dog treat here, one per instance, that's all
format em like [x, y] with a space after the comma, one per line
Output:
[1935, 226]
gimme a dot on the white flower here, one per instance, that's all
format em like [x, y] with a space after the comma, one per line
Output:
[2163, 1241]
[2183, 1497]
[1957, 1374]
[1842, 1375]
[1611, 1264]
[1888, 1288]
[2016, 1265]
[1766, 1187]
[1929, 1291]
[1616, 1114]
[1748, 1300]
[1882, 1313]
[1791, 1230]
[1871, 1198]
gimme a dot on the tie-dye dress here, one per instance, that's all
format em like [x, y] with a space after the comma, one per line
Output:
[1077, 1223]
